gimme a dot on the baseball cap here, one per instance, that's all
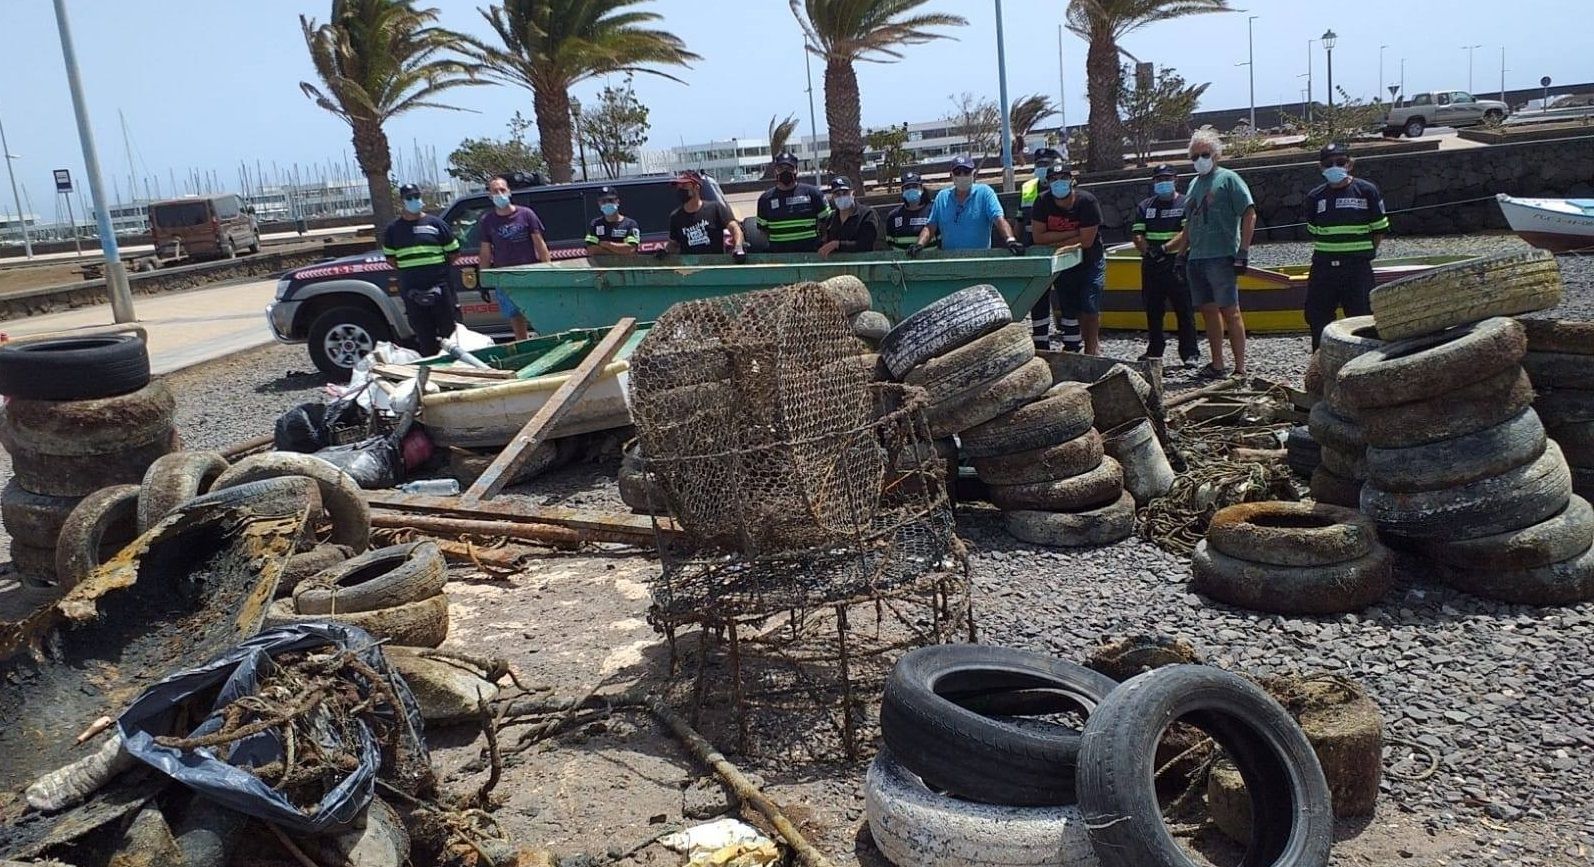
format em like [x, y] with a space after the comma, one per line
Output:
[1060, 167]
[785, 158]
[682, 177]
[1046, 155]
[409, 191]
[840, 182]
[1332, 150]
[608, 192]
[962, 161]
[912, 179]
[1163, 170]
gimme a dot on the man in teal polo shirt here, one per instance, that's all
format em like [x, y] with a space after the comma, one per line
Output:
[1220, 218]
[963, 216]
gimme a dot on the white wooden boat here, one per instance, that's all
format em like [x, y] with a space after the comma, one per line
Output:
[1558, 225]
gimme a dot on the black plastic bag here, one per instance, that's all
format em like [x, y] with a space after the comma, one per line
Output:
[374, 463]
[238, 673]
[310, 427]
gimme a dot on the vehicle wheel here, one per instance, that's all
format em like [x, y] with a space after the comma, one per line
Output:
[1467, 292]
[74, 368]
[229, 250]
[1467, 410]
[305, 564]
[340, 496]
[254, 246]
[1334, 489]
[33, 519]
[1512, 500]
[1494, 115]
[1552, 335]
[342, 336]
[1334, 588]
[914, 826]
[1063, 413]
[173, 480]
[1090, 490]
[944, 326]
[1291, 534]
[1415, 127]
[1392, 132]
[1111, 523]
[1290, 803]
[414, 624]
[928, 724]
[1565, 583]
[380, 578]
[107, 518]
[1560, 537]
[978, 361]
[1460, 460]
[1422, 367]
[1065, 460]
[988, 400]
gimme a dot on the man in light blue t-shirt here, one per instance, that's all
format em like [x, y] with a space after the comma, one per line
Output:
[963, 216]
[1219, 219]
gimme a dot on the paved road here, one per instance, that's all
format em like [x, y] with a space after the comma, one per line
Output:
[185, 328]
[91, 248]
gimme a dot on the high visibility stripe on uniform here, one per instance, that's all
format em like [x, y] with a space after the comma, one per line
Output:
[418, 261]
[780, 237]
[451, 246]
[1379, 225]
[1356, 229]
[1138, 228]
[1343, 246]
[1160, 236]
[593, 239]
[632, 239]
[903, 241]
[389, 251]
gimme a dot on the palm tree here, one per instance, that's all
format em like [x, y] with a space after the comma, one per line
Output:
[1102, 23]
[378, 59]
[549, 46]
[1026, 113]
[780, 135]
[844, 31]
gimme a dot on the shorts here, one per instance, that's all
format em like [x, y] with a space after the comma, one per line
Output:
[1081, 288]
[1213, 281]
[506, 306]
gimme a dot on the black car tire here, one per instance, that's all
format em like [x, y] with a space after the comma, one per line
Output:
[33, 519]
[340, 495]
[1460, 460]
[1290, 799]
[81, 475]
[1063, 413]
[92, 427]
[1088, 490]
[357, 320]
[1479, 406]
[1049, 463]
[106, 518]
[74, 368]
[1420, 368]
[943, 326]
[173, 480]
[1512, 500]
[380, 578]
[1565, 583]
[1334, 588]
[1561, 536]
[927, 723]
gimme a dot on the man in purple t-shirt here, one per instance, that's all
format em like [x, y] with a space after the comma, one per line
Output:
[510, 235]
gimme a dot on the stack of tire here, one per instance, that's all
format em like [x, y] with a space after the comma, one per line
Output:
[1291, 558]
[82, 415]
[1340, 447]
[394, 593]
[1460, 468]
[965, 776]
[1560, 364]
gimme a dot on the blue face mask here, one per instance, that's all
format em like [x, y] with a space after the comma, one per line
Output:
[912, 197]
[609, 209]
[1061, 189]
[500, 200]
[413, 206]
[1335, 174]
[1163, 188]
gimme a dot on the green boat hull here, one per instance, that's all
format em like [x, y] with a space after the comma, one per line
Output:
[575, 294]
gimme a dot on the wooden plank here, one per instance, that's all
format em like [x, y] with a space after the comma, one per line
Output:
[540, 425]
[553, 358]
[452, 377]
[633, 527]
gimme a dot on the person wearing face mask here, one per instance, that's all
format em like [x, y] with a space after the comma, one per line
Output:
[613, 233]
[698, 227]
[908, 219]
[963, 216]
[1065, 214]
[510, 234]
[419, 246]
[791, 212]
[1346, 218]
[1040, 316]
[1219, 220]
[1157, 221]
[851, 228]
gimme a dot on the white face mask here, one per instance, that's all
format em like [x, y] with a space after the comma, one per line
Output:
[844, 202]
[964, 183]
[1203, 165]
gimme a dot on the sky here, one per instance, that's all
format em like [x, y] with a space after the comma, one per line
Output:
[205, 84]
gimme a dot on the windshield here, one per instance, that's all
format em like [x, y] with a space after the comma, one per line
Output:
[179, 215]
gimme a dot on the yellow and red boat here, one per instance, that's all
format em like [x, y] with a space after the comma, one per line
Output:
[1272, 299]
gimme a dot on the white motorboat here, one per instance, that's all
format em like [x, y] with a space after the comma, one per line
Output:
[1558, 225]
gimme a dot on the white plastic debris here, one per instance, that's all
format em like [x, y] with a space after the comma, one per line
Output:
[469, 340]
[724, 843]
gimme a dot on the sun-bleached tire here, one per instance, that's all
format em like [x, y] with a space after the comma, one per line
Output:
[107, 517]
[1342, 340]
[340, 495]
[1460, 460]
[1291, 534]
[173, 480]
[1330, 589]
[1331, 429]
[1467, 292]
[1467, 410]
[943, 326]
[1111, 523]
[1565, 583]
[62, 475]
[1061, 414]
[415, 624]
[1511, 500]
[306, 564]
[849, 293]
[1062, 461]
[1090, 490]
[1422, 368]
[1561, 536]
[988, 400]
[1563, 335]
[916, 827]
[979, 361]
[379, 578]
[92, 427]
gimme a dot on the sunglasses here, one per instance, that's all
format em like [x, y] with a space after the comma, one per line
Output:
[1342, 162]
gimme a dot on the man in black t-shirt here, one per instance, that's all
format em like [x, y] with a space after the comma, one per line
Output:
[613, 234]
[698, 227]
[421, 247]
[906, 220]
[1062, 215]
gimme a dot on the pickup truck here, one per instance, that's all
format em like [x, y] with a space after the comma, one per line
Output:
[1441, 108]
[343, 307]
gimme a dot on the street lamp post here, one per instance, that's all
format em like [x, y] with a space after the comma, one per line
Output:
[1468, 49]
[1007, 121]
[1329, 37]
[1503, 71]
[1250, 67]
[1309, 94]
[1378, 92]
[22, 219]
[1402, 78]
